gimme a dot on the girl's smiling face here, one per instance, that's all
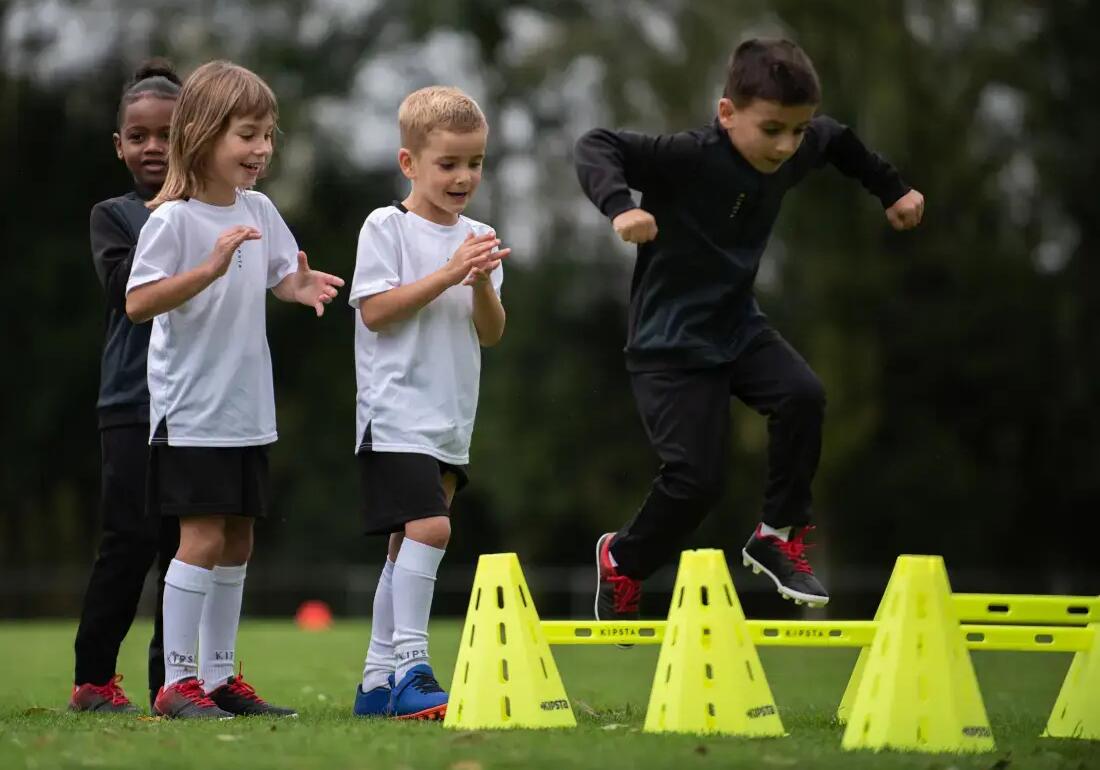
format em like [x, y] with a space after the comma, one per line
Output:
[239, 156]
[142, 139]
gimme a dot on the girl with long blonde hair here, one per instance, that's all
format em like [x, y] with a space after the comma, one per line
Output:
[207, 256]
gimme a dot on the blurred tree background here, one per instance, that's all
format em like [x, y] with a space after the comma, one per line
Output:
[960, 359]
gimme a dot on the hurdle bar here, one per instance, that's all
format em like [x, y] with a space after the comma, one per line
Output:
[1026, 609]
[822, 633]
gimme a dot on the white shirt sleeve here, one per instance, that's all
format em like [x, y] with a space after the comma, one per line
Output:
[282, 249]
[377, 262]
[157, 255]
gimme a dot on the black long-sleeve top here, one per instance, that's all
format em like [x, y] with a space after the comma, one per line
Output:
[123, 389]
[691, 297]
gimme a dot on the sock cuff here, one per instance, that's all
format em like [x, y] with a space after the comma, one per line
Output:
[419, 558]
[230, 575]
[783, 533]
[188, 577]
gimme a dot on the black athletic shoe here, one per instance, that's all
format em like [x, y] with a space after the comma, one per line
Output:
[617, 596]
[784, 562]
[238, 697]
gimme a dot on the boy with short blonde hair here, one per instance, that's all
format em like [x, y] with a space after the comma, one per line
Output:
[434, 108]
[427, 290]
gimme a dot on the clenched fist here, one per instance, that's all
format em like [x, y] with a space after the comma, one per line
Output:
[635, 226]
[907, 211]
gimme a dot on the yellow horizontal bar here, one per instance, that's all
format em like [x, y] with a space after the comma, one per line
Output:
[1018, 609]
[1027, 638]
[822, 633]
[604, 632]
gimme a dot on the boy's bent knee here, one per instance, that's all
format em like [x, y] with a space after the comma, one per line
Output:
[807, 392]
[434, 531]
[693, 485]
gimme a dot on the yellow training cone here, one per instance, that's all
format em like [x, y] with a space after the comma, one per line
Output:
[505, 675]
[845, 709]
[917, 690]
[1076, 713]
[709, 678]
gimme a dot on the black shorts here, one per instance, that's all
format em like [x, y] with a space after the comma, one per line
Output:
[399, 487]
[208, 481]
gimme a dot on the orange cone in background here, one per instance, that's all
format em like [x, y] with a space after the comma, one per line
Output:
[313, 615]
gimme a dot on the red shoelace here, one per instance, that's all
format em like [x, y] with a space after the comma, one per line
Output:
[625, 593]
[192, 690]
[238, 686]
[795, 549]
[111, 691]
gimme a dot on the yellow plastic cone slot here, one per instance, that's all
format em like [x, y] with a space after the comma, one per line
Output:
[505, 675]
[916, 690]
[1076, 712]
[709, 678]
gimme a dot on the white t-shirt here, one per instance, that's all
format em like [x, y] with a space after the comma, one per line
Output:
[209, 364]
[418, 378]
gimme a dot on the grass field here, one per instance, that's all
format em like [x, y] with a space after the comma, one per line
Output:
[609, 689]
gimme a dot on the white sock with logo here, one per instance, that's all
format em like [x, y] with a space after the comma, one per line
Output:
[413, 586]
[221, 615]
[379, 663]
[185, 589]
[783, 533]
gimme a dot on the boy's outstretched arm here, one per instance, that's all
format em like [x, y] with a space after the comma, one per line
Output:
[308, 287]
[838, 145]
[611, 163]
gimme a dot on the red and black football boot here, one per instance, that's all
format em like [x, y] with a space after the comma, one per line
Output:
[784, 561]
[105, 698]
[186, 699]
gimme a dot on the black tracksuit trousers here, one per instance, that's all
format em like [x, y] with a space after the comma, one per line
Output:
[130, 544]
[686, 416]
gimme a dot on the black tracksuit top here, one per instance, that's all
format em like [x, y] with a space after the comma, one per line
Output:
[123, 387]
[691, 297]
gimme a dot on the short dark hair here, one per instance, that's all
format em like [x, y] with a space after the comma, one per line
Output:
[775, 70]
[156, 77]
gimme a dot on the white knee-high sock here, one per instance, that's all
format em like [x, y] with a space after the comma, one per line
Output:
[221, 614]
[185, 589]
[413, 587]
[379, 663]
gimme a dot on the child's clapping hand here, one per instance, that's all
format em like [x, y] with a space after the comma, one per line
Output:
[488, 262]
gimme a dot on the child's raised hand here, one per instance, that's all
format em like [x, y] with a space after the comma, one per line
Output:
[635, 226]
[315, 288]
[473, 253]
[226, 246]
[907, 211]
